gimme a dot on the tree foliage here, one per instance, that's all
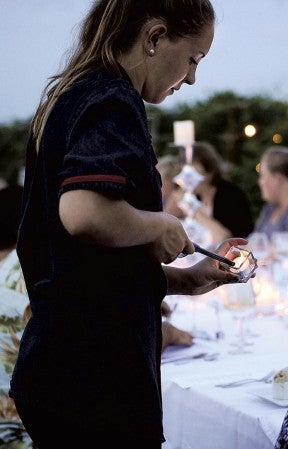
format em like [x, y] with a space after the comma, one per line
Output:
[13, 139]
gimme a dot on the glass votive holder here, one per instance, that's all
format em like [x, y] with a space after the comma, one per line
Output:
[245, 263]
[188, 178]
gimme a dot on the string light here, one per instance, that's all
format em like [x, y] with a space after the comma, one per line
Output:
[250, 130]
[277, 138]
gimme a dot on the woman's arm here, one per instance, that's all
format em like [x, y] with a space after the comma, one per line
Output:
[202, 277]
[98, 219]
[172, 335]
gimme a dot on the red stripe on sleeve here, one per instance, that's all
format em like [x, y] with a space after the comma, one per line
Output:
[88, 178]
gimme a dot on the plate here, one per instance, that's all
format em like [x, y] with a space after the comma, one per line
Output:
[267, 395]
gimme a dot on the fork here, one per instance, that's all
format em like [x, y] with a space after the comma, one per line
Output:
[266, 379]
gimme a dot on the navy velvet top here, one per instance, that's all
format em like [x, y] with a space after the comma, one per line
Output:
[93, 344]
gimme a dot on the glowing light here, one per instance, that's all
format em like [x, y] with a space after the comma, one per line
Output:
[250, 130]
[277, 138]
[184, 132]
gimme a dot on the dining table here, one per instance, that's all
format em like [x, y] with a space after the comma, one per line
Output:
[198, 411]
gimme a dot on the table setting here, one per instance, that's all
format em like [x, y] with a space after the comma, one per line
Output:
[213, 396]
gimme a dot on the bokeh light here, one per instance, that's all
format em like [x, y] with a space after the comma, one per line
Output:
[250, 130]
[277, 138]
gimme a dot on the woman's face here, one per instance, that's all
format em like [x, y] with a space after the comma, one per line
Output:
[174, 64]
[269, 183]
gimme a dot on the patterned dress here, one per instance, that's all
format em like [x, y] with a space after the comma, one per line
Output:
[282, 440]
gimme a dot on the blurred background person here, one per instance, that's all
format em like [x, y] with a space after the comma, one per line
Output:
[172, 335]
[169, 166]
[225, 208]
[10, 205]
[273, 184]
[11, 275]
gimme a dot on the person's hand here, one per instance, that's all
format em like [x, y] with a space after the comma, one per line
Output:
[171, 335]
[209, 274]
[205, 275]
[165, 309]
[172, 241]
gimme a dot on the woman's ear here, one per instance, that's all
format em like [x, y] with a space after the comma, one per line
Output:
[155, 32]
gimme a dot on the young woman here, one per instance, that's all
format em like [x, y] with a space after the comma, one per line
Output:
[93, 237]
[225, 208]
[273, 183]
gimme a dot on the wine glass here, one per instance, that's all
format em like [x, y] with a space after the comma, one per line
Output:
[188, 178]
[239, 299]
[279, 243]
[258, 243]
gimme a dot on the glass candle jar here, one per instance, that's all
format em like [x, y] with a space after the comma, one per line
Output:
[245, 263]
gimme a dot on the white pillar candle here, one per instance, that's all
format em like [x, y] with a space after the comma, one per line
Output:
[184, 132]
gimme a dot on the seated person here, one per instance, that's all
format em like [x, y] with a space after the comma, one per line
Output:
[169, 166]
[273, 183]
[171, 335]
[282, 440]
[10, 203]
[225, 209]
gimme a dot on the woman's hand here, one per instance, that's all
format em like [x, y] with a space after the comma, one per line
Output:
[172, 241]
[165, 309]
[205, 275]
[172, 335]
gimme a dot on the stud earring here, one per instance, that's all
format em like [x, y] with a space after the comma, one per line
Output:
[151, 52]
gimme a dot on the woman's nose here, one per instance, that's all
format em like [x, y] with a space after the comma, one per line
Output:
[190, 78]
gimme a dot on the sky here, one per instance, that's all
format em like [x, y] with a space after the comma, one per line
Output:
[249, 54]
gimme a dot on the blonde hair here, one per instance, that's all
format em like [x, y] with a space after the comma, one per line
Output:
[169, 166]
[110, 28]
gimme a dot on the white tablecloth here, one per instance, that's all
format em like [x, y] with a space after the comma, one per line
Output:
[198, 415]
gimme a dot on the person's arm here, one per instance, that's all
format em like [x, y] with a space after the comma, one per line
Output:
[202, 277]
[172, 335]
[218, 231]
[101, 220]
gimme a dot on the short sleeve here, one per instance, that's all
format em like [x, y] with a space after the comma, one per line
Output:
[109, 144]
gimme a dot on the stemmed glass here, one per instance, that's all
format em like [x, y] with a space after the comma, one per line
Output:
[279, 243]
[258, 243]
[239, 299]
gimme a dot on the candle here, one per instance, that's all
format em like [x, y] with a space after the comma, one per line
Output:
[242, 262]
[184, 132]
[245, 262]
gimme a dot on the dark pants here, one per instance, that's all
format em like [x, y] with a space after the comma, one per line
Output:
[48, 430]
